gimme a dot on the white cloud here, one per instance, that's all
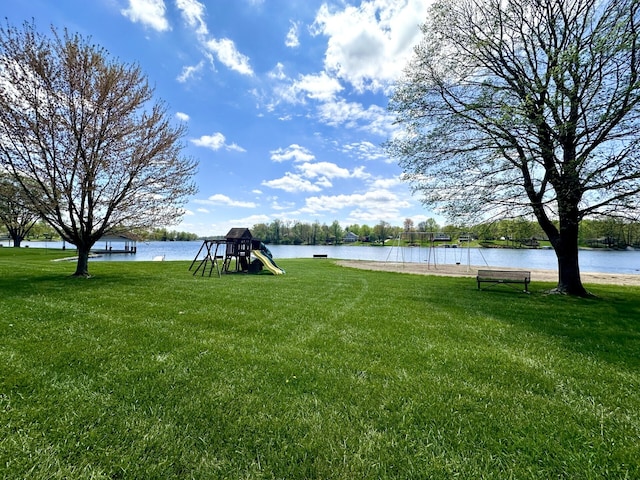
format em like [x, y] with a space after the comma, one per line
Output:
[222, 227]
[374, 119]
[226, 52]
[189, 72]
[202, 210]
[216, 142]
[150, 13]
[375, 200]
[365, 150]
[278, 72]
[359, 172]
[292, 152]
[292, 183]
[193, 13]
[368, 207]
[323, 169]
[292, 40]
[320, 87]
[385, 183]
[220, 199]
[275, 205]
[251, 220]
[182, 116]
[373, 216]
[369, 45]
[313, 177]
[324, 182]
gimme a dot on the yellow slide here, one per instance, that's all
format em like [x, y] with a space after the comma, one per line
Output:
[267, 262]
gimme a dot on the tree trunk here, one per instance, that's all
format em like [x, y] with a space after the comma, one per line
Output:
[16, 236]
[569, 280]
[566, 248]
[564, 239]
[82, 267]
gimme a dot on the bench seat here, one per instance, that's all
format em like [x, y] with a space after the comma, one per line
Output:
[504, 277]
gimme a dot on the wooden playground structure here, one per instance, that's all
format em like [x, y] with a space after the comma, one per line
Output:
[233, 255]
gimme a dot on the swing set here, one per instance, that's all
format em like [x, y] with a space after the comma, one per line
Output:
[409, 247]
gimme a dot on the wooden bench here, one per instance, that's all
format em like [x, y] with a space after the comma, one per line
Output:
[504, 277]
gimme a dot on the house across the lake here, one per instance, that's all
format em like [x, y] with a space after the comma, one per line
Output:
[441, 237]
[350, 237]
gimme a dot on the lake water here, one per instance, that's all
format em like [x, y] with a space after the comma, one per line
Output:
[627, 261]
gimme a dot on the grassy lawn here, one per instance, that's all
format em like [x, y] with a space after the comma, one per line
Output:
[145, 371]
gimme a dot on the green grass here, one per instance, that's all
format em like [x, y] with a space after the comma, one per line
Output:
[145, 371]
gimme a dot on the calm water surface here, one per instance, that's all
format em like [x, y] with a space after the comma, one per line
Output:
[627, 261]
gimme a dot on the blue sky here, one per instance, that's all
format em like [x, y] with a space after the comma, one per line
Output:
[284, 100]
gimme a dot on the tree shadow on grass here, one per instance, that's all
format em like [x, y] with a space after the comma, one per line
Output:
[45, 283]
[606, 326]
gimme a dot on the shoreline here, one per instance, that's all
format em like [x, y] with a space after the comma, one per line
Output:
[537, 275]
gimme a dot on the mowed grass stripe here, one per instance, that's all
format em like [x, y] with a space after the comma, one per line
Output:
[146, 371]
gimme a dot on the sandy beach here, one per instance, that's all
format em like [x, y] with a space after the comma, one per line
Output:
[451, 270]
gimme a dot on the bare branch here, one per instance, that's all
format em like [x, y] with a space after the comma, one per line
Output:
[87, 133]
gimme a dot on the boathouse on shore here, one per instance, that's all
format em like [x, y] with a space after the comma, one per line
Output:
[116, 243]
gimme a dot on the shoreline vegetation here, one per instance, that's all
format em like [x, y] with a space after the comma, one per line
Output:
[606, 234]
[388, 243]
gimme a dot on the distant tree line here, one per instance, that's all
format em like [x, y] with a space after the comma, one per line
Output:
[164, 235]
[287, 232]
[609, 232]
[606, 232]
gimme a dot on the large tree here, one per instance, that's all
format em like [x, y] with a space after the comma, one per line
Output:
[513, 107]
[98, 153]
[16, 211]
